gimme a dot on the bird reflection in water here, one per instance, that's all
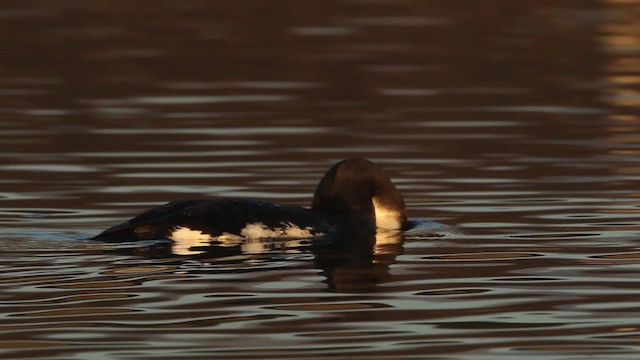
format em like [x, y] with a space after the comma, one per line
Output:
[348, 264]
[359, 264]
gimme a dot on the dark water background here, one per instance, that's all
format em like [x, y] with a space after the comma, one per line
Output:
[516, 121]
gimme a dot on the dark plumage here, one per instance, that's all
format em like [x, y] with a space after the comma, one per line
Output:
[355, 196]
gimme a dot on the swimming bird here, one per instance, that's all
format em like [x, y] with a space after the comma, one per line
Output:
[354, 197]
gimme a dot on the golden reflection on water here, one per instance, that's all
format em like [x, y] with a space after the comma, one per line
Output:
[621, 41]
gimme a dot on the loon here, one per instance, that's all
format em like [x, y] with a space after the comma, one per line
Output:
[354, 197]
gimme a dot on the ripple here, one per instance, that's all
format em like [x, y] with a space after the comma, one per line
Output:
[51, 167]
[95, 285]
[30, 344]
[351, 334]
[146, 269]
[453, 292]
[180, 175]
[548, 109]
[269, 85]
[575, 349]
[331, 307]
[526, 279]
[288, 130]
[323, 31]
[72, 299]
[482, 256]
[208, 99]
[493, 325]
[211, 164]
[400, 21]
[77, 311]
[567, 235]
[619, 256]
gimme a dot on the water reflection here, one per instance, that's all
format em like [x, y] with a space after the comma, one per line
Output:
[348, 264]
[358, 264]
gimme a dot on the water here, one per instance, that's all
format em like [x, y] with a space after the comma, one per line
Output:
[513, 123]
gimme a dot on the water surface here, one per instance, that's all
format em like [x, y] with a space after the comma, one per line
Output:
[514, 123]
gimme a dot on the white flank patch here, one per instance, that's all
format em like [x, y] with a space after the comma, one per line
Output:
[386, 218]
[262, 231]
[184, 239]
[229, 239]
